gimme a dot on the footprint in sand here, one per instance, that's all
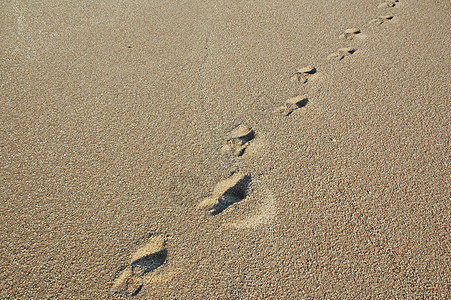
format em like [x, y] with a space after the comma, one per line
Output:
[350, 34]
[238, 140]
[341, 53]
[226, 193]
[142, 263]
[381, 19]
[292, 104]
[264, 214]
[387, 4]
[303, 74]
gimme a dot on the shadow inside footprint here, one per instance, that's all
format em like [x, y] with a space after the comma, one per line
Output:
[151, 262]
[146, 259]
[301, 103]
[234, 194]
[137, 291]
[246, 138]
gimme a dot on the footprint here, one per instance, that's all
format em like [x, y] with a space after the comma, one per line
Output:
[381, 19]
[303, 74]
[292, 104]
[350, 34]
[238, 140]
[387, 4]
[145, 260]
[341, 53]
[264, 215]
[227, 192]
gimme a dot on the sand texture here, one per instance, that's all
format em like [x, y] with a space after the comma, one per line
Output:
[225, 149]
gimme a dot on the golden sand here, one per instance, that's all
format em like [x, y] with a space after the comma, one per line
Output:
[119, 117]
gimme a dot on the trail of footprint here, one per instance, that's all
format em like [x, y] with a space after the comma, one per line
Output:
[341, 53]
[387, 4]
[381, 19]
[303, 74]
[144, 261]
[231, 190]
[291, 105]
[226, 193]
[238, 140]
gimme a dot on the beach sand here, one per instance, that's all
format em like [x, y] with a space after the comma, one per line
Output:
[179, 150]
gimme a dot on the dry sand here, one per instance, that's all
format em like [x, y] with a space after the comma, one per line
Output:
[114, 113]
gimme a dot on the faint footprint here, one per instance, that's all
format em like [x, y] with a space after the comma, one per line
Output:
[350, 34]
[341, 53]
[381, 19]
[227, 192]
[145, 260]
[387, 4]
[292, 104]
[303, 74]
[238, 140]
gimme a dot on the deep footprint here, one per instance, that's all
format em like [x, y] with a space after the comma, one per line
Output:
[292, 104]
[226, 193]
[238, 140]
[145, 260]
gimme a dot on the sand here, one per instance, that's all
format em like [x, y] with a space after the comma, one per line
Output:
[114, 113]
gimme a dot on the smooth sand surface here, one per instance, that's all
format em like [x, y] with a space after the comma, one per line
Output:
[114, 113]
